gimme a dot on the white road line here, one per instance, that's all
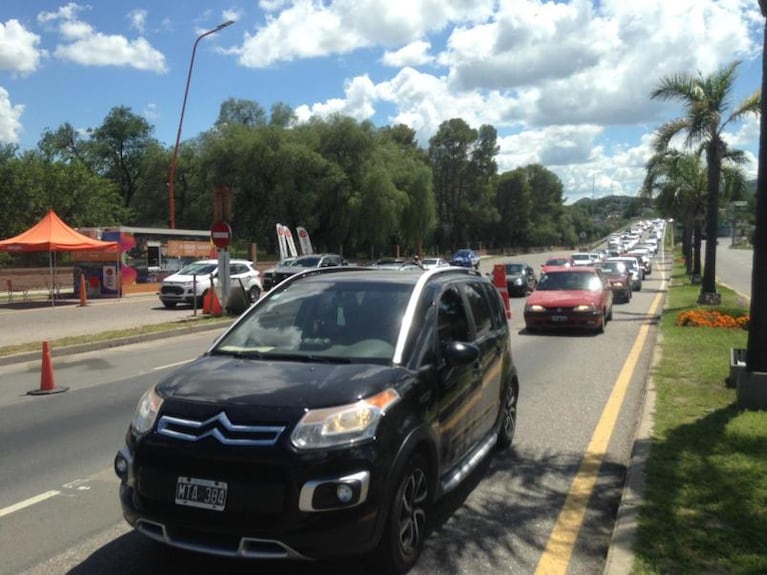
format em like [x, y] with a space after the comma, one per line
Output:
[168, 366]
[28, 502]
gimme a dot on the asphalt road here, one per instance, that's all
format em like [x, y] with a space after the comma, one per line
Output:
[58, 503]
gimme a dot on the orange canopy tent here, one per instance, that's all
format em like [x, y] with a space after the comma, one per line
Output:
[52, 235]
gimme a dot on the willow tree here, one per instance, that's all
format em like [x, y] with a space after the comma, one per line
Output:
[707, 112]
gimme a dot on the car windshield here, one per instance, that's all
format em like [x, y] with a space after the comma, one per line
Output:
[198, 268]
[514, 268]
[558, 262]
[326, 319]
[306, 262]
[569, 281]
[614, 267]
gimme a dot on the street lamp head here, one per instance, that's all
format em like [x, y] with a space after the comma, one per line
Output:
[224, 24]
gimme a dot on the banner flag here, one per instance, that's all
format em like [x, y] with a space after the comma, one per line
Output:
[304, 242]
[282, 242]
[291, 243]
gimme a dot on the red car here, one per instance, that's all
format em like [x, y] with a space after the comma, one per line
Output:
[577, 297]
[556, 262]
[619, 278]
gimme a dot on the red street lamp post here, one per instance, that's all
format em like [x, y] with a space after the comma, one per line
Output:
[172, 178]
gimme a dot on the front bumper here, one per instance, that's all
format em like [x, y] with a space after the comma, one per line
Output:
[563, 320]
[284, 511]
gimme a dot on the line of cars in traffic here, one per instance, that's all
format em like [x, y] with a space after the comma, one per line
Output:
[578, 290]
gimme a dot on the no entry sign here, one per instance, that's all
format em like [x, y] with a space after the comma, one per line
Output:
[221, 235]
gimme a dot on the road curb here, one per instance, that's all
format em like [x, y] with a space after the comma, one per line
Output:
[58, 351]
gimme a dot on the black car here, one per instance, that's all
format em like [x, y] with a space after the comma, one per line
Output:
[295, 265]
[520, 278]
[327, 419]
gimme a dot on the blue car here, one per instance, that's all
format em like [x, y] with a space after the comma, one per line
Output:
[465, 258]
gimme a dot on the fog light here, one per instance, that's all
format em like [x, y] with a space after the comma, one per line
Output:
[121, 466]
[344, 493]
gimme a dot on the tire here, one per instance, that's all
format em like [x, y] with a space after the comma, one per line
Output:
[405, 529]
[602, 322]
[169, 304]
[610, 313]
[509, 417]
[253, 294]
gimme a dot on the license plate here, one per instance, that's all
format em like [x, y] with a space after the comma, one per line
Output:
[202, 493]
[559, 318]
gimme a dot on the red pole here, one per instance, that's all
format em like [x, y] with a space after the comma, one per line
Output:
[82, 290]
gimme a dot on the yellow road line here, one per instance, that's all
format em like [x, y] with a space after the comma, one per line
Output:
[559, 548]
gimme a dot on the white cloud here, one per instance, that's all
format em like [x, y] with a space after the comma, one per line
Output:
[414, 54]
[18, 48]
[83, 45]
[137, 19]
[10, 124]
[358, 103]
[309, 29]
[552, 77]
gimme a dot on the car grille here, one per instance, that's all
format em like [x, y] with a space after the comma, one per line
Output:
[172, 290]
[255, 486]
[220, 428]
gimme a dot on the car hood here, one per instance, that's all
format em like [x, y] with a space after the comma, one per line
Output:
[275, 384]
[563, 298]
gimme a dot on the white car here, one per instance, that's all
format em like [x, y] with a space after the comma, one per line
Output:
[193, 282]
[430, 263]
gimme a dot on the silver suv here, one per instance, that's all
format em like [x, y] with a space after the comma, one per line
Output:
[194, 281]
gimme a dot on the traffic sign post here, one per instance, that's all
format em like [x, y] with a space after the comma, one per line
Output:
[221, 236]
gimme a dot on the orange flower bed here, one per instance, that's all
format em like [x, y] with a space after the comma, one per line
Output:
[712, 318]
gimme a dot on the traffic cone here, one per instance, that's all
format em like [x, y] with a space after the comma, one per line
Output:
[47, 384]
[215, 305]
[206, 301]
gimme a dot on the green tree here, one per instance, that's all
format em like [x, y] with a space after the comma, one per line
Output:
[119, 146]
[463, 164]
[707, 104]
[241, 112]
[514, 202]
[548, 197]
[282, 115]
[680, 180]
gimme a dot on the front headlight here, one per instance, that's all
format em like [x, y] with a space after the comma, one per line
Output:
[535, 308]
[585, 308]
[146, 411]
[518, 282]
[342, 425]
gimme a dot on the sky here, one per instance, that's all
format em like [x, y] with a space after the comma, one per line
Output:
[565, 83]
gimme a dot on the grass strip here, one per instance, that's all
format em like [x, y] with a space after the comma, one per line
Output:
[705, 505]
[118, 334]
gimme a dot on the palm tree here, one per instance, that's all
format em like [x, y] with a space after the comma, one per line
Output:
[680, 180]
[706, 102]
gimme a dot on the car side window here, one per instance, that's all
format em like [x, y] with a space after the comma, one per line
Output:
[452, 323]
[483, 321]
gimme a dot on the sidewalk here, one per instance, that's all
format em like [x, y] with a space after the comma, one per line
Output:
[37, 321]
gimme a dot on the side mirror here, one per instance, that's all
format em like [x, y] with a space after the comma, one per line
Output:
[461, 353]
